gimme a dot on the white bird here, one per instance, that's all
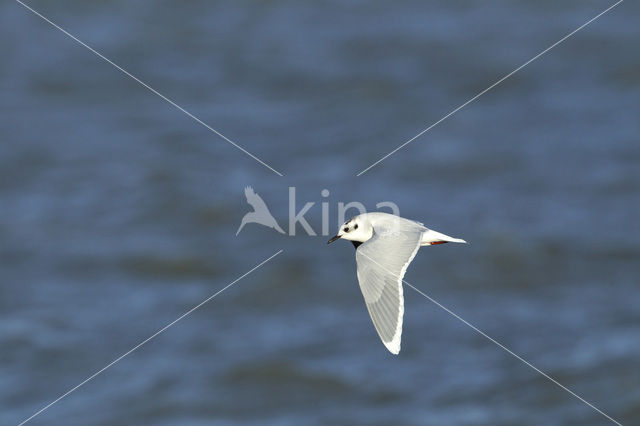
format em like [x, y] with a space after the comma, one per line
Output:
[385, 245]
[260, 213]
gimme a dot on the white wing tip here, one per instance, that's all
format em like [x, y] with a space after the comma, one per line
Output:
[394, 345]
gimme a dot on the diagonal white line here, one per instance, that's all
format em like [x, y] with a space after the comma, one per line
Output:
[491, 87]
[500, 345]
[482, 333]
[148, 339]
[127, 73]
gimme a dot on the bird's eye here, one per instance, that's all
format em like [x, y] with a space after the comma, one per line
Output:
[346, 229]
[355, 226]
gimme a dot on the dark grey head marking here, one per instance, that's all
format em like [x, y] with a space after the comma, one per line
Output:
[349, 225]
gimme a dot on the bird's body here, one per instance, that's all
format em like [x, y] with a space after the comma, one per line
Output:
[385, 246]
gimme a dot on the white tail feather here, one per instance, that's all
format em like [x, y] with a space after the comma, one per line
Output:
[430, 237]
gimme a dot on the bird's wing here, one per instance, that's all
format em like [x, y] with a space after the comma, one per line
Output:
[382, 262]
[248, 192]
[254, 200]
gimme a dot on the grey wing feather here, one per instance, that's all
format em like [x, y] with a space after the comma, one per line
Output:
[382, 262]
[254, 199]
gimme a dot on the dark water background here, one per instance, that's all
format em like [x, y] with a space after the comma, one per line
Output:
[118, 213]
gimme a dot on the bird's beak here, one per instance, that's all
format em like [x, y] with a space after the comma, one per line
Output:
[333, 239]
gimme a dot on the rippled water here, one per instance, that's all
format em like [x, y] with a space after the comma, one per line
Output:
[119, 213]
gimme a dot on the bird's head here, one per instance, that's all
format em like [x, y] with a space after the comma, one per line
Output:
[355, 229]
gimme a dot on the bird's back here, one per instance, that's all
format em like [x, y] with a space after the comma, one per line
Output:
[382, 220]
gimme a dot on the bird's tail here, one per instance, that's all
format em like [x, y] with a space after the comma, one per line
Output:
[277, 227]
[431, 237]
